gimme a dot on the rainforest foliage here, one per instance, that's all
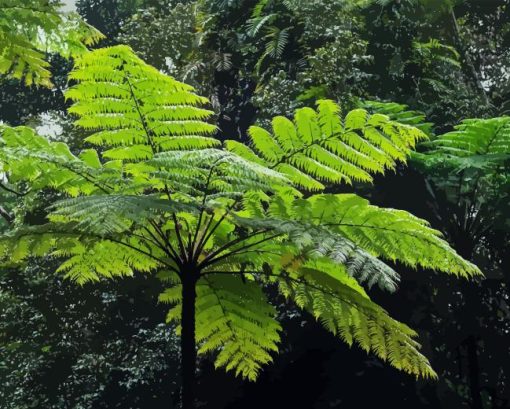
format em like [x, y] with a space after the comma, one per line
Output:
[237, 166]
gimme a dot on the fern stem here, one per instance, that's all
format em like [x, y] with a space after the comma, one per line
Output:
[198, 243]
[207, 235]
[179, 238]
[161, 246]
[9, 218]
[167, 248]
[8, 189]
[193, 242]
[211, 259]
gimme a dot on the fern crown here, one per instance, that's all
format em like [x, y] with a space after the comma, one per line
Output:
[156, 193]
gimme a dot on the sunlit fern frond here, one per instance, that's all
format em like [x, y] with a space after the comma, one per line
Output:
[318, 147]
[30, 30]
[234, 319]
[133, 110]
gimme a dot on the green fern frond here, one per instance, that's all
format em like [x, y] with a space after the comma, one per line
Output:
[400, 113]
[112, 214]
[134, 110]
[87, 257]
[351, 233]
[30, 30]
[97, 259]
[234, 319]
[317, 147]
[355, 319]
[277, 39]
[489, 137]
[217, 171]
[394, 235]
[467, 169]
[259, 8]
[434, 51]
[256, 23]
[26, 156]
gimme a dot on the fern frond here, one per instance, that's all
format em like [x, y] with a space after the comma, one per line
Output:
[217, 171]
[28, 157]
[394, 235]
[97, 259]
[134, 110]
[489, 137]
[87, 257]
[309, 242]
[355, 319]
[254, 24]
[400, 113]
[352, 233]
[317, 147]
[29, 31]
[234, 319]
[112, 214]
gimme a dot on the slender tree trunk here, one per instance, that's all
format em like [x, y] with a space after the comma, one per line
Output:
[474, 377]
[466, 249]
[467, 58]
[188, 341]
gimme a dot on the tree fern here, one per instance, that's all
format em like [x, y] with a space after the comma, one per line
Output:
[218, 224]
[466, 170]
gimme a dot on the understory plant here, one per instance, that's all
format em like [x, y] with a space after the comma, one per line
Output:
[220, 223]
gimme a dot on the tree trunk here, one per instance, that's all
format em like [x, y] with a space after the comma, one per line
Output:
[466, 247]
[474, 376]
[188, 341]
[475, 76]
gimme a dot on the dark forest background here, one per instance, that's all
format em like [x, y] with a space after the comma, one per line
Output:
[64, 346]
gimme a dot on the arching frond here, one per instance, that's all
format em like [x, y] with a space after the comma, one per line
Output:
[490, 137]
[93, 260]
[319, 147]
[215, 172]
[400, 113]
[257, 22]
[28, 157]
[87, 257]
[134, 110]
[466, 173]
[354, 318]
[394, 235]
[351, 232]
[307, 241]
[113, 214]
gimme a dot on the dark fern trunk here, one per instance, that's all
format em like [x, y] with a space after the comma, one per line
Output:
[474, 373]
[188, 342]
[466, 248]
